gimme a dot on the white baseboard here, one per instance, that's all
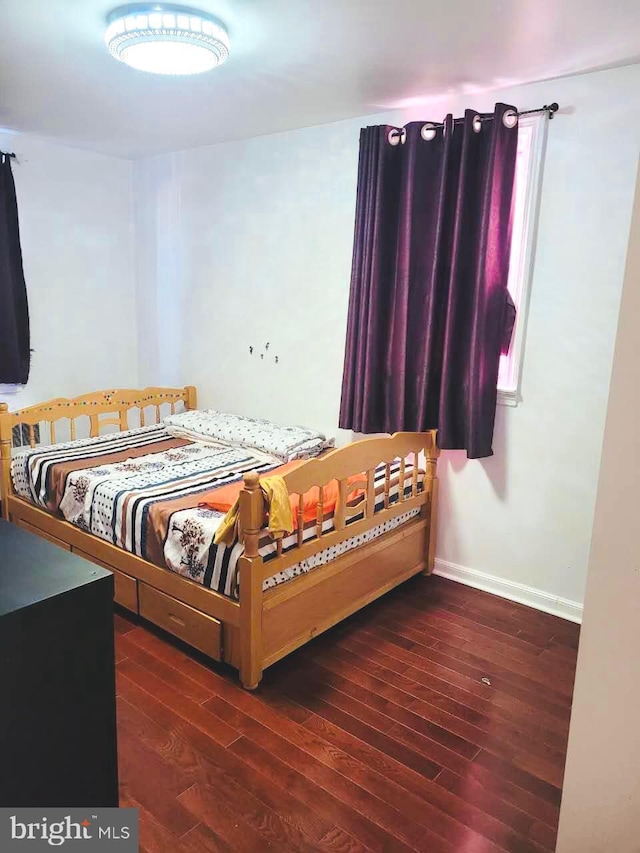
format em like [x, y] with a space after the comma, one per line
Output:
[529, 595]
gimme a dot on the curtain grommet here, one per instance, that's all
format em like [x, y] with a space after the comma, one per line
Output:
[397, 136]
[477, 124]
[510, 118]
[428, 132]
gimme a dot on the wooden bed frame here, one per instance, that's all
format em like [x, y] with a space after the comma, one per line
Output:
[261, 627]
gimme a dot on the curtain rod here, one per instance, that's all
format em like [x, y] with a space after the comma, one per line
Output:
[550, 109]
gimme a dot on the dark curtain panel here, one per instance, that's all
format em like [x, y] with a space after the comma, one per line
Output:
[14, 312]
[429, 312]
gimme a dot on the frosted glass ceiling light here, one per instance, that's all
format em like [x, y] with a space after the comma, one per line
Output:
[165, 39]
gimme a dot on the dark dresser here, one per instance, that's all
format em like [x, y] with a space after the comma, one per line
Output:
[57, 677]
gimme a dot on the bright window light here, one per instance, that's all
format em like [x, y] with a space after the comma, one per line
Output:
[532, 135]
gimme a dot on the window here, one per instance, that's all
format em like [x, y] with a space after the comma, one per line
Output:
[532, 137]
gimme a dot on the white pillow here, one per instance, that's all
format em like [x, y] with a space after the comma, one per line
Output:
[284, 442]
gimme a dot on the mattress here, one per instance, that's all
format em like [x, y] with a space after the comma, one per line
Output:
[142, 491]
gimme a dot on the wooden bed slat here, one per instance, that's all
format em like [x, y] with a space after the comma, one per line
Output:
[339, 517]
[320, 512]
[371, 493]
[387, 481]
[300, 514]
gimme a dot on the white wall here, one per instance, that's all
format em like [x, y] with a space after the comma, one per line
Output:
[262, 230]
[159, 299]
[601, 795]
[77, 245]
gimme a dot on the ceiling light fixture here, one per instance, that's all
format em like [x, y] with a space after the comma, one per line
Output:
[166, 39]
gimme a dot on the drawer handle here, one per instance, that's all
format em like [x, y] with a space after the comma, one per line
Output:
[177, 619]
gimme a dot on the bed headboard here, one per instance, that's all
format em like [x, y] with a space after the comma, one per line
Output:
[102, 408]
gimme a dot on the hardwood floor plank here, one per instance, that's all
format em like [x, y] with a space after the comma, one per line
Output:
[180, 682]
[227, 824]
[155, 783]
[182, 706]
[499, 797]
[121, 623]
[200, 839]
[560, 657]
[156, 838]
[541, 788]
[544, 835]
[522, 616]
[258, 817]
[571, 642]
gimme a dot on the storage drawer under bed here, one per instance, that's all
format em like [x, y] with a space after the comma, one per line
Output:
[201, 631]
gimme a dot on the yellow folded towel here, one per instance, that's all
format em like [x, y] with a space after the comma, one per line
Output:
[278, 507]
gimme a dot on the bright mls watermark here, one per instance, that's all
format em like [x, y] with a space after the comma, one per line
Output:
[102, 830]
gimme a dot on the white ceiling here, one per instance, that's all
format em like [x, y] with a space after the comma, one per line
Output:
[293, 63]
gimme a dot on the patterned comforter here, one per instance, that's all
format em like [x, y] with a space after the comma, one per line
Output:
[141, 490]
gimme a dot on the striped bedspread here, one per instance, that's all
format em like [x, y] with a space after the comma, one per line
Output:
[141, 490]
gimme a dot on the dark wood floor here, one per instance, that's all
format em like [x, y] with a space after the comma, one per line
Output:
[436, 719]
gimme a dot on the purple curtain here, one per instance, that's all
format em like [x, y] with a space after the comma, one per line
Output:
[14, 313]
[429, 312]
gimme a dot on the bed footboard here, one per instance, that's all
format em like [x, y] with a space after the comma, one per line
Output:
[275, 622]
